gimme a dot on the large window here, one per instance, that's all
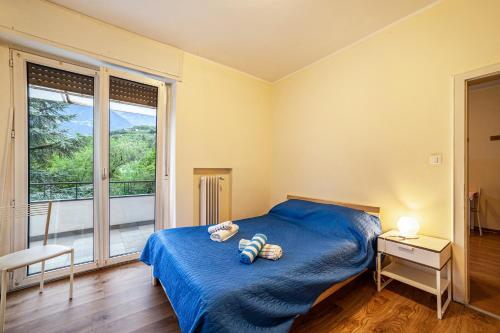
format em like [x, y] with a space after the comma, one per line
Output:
[88, 141]
[132, 164]
[61, 159]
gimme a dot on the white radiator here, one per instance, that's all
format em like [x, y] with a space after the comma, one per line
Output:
[210, 188]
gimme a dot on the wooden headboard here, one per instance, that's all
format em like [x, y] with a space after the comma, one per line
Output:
[369, 209]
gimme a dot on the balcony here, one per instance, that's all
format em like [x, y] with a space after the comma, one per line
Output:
[131, 207]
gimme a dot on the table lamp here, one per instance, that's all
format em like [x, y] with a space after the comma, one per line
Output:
[408, 227]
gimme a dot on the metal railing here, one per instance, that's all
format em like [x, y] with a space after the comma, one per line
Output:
[85, 190]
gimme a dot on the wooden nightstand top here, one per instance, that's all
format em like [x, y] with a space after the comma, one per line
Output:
[423, 242]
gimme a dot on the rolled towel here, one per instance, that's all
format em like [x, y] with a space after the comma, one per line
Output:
[250, 252]
[268, 251]
[221, 226]
[223, 235]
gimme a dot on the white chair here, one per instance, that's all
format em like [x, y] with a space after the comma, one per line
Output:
[33, 255]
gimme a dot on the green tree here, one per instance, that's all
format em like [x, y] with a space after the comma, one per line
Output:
[46, 136]
[133, 158]
[56, 156]
[78, 167]
[132, 154]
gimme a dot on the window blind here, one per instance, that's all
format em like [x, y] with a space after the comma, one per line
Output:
[119, 89]
[53, 78]
[132, 92]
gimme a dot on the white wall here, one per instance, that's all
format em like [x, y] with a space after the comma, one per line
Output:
[223, 121]
[359, 125]
[222, 115]
[36, 22]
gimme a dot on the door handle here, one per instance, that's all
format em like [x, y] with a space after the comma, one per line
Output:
[104, 174]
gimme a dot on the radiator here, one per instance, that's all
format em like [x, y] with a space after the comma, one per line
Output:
[210, 188]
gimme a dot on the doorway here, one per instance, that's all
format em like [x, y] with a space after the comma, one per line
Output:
[483, 187]
[88, 140]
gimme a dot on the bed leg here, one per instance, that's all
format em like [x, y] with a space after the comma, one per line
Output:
[154, 281]
[379, 269]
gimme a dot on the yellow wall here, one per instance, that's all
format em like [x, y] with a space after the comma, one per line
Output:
[42, 23]
[484, 155]
[4, 116]
[223, 120]
[357, 126]
[360, 125]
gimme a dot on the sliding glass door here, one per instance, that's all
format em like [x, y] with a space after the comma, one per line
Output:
[88, 141]
[132, 164]
[60, 105]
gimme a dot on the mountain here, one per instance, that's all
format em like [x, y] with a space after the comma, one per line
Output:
[136, 119]
[83, 121]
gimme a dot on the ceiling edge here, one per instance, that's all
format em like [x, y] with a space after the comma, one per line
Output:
[359, 41]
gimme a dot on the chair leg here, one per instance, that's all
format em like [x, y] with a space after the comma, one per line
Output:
[3, 300]
[42, 275]
[471, 217]
[71, 271]
[479, 222]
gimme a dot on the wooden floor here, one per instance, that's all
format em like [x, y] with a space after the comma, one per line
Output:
[484, 271]
[121, 299]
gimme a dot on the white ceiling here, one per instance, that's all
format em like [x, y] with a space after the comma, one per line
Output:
[266, 38]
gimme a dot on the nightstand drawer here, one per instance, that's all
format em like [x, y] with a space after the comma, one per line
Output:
[418, 255]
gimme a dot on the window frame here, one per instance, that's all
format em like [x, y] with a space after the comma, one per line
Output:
[161, 151]
[101, 148]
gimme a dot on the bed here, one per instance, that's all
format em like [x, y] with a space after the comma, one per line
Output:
[326, 244]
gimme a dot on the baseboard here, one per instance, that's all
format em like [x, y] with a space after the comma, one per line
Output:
[483, 311]
[493, 231]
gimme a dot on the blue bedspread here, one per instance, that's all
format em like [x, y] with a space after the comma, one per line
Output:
[211, 291]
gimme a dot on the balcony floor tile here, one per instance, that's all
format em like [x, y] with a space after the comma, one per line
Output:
[122, 240]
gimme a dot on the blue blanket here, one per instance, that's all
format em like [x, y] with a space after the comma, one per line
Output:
[211, 291]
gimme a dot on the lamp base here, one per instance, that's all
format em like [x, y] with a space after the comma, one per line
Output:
[409, 236]
[405, 237]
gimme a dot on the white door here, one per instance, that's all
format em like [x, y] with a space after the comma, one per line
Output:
[88, 140]
[132, 145]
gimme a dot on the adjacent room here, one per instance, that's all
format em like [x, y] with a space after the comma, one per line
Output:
[484, 192]
[249, 166]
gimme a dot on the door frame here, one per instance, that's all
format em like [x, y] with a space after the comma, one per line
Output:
[101, 149]
[461, 290]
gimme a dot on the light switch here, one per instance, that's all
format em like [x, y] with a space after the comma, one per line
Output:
[436, 159]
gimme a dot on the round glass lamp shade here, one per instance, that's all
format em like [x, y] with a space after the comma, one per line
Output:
[408, 227]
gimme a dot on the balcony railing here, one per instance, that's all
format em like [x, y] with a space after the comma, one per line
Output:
[85, 190]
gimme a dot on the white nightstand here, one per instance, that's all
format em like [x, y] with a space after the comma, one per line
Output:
[417, 262]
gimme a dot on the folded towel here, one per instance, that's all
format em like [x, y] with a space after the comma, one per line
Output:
[268, 251]
[250, 252]
[221, 226]
[222, 235]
